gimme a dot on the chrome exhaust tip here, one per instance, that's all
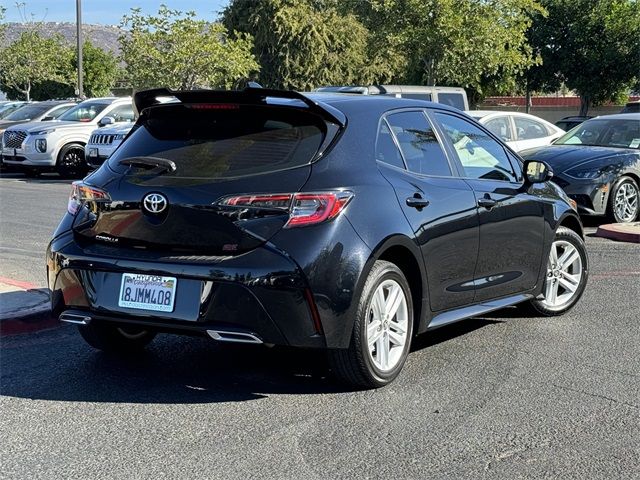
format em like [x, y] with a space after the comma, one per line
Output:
[75, 318]
[237, 337]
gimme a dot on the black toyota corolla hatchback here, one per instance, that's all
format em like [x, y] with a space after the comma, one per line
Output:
[347, 223]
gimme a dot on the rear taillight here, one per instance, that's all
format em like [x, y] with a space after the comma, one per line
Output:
[304, 208]
[82, 193]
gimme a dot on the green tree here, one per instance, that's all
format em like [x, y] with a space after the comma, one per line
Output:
[472, 43]
[302, 44]
[100, 69]
[175, 50]
[32, 59]
[100, 72]
[593, 46]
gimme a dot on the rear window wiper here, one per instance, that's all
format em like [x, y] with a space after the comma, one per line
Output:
[162, 164]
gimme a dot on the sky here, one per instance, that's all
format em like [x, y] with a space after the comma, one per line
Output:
[106, 12]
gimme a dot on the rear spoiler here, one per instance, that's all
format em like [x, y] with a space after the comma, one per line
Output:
[248, 96]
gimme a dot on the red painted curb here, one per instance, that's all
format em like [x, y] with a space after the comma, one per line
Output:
[619, 232]
[18, 283]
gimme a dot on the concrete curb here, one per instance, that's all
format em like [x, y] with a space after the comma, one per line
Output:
[622, 232]
[24, 308]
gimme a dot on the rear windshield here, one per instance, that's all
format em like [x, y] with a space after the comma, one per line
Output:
[224, 141]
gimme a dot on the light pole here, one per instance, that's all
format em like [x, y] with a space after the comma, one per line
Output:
[79, 38]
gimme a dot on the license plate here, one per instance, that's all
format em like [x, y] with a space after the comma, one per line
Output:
[147, 292]
[93, 152]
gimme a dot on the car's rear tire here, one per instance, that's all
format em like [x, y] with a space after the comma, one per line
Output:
[111, 338]
[71, 162]
[382, 331]
[624, 200]
[567, 274]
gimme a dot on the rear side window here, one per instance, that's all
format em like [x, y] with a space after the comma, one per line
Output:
[420, 148]
[417, 96]
[455, 100]
[500, 127]
[529, 129]
[234, 141]
[386, 149]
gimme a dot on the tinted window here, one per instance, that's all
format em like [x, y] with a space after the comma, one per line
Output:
[386, 149]
[605, 133]
[83, 112]
[225, 143]
[420, 147]
[27, 112]
[123, 113]
[480, 155]
[455, 100]
[56, 112]
[529, 129]
[500, 127]
[418, 96]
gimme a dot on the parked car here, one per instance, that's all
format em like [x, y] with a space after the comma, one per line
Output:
[453, 96]
[8, 107]
[346, 223]
[567, 123]
[58, 145]
[598, 165]
[36, 112]
[631, 107]
[519, 130]
[103, 142]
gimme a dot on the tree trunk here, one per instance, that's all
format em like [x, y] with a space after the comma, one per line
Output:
[585, 103]
[528, 99]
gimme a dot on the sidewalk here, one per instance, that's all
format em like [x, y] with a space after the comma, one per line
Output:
[24, 308]
[622, 232]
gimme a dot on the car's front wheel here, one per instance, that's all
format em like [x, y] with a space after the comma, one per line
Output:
[567, 273]
[624, 201]
[382, 331]
[71, 162]
[111, 338]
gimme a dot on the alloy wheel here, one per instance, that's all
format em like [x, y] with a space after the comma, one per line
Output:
[387, 328]
[626, 202]
[564, 274]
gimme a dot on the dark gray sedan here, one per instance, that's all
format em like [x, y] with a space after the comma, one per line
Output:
[597, 163]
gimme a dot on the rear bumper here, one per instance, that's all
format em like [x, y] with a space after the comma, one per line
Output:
[262, 293]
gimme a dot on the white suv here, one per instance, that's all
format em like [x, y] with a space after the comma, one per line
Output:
[58, 145]
[104, 141]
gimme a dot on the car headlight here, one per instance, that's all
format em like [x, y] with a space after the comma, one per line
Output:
[585, 173]
[41, 145]
[119, 136]
[44, 132]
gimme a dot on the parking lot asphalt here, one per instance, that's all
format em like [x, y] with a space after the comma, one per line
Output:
[502, 396]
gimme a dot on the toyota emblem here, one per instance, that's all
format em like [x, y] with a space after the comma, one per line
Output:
[155, 203]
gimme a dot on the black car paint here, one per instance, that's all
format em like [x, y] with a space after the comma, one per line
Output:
[266, 290]
[592, 194]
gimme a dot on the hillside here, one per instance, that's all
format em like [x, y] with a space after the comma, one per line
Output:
[103, 36]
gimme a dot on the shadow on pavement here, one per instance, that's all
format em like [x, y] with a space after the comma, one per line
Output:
[45, 179]
[58, 366]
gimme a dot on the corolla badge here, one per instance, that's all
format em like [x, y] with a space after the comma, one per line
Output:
[155, 203]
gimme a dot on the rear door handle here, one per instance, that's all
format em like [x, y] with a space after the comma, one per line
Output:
[417, 201]
[487, 202]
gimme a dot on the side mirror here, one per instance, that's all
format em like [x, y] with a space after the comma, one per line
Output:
[104, 121]
[537, 172]
[47, 119]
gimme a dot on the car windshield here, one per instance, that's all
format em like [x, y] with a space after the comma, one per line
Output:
[602, 132]
[27, 112]
[83, 112]
[6, 110]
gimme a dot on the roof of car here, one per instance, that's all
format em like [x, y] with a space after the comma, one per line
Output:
[107, 100]
[355, 102]
[620, 116]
